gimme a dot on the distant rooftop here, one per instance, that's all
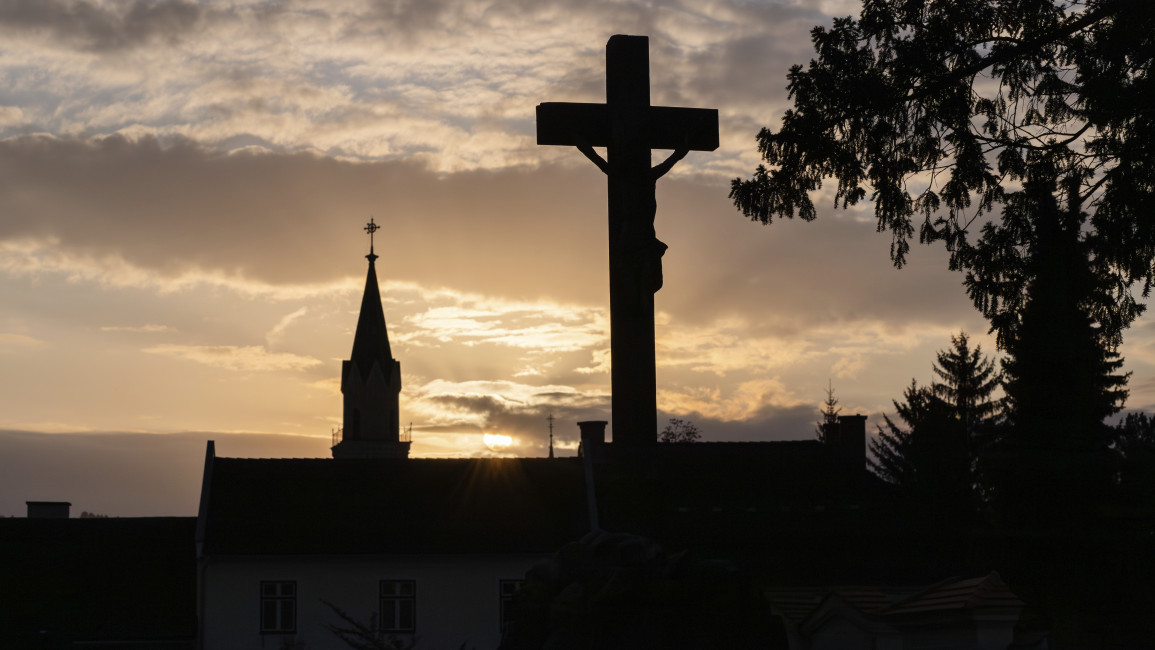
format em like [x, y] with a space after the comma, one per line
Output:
[371, 506]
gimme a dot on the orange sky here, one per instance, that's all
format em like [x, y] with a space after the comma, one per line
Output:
[182, 192]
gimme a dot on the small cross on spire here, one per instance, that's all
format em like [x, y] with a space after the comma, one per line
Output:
[371, 228]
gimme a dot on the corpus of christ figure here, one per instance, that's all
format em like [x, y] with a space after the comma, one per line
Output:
[628, 127]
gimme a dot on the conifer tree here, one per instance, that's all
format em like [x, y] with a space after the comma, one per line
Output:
[1135, 442]
[829, 412]
[932, 459]
[1061, 372]
[967, 382]
[898, 453]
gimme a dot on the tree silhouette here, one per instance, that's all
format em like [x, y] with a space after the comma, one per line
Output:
[679, 430]
[932, 460]
[1135, 442]
[619, 590]
[829, 411]
[900, 456]
[941, 110]
[364, 635]
[1061, 373]
[967, 382]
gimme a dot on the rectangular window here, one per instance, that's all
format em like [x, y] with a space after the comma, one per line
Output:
[398, 605]
[505, 591]
[278, 607]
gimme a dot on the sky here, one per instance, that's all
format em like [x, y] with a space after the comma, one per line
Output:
[183, 191]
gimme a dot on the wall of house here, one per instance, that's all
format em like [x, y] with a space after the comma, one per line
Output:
[837, 633]
[961, 629]
[457, 598]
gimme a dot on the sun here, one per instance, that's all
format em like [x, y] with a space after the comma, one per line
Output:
[497, 441]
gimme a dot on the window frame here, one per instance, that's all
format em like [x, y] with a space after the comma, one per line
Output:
[505, 599]
[279, 599]
[396, 600]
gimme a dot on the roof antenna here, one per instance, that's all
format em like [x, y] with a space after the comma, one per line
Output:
[550, 418]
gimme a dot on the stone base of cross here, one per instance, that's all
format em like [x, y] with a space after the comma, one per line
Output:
[630, 128]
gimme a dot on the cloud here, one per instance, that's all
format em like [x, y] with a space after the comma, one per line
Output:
[239, 358]
[743, 401]
[33, 258]
[10, 343]
[449, 82]
[474, 319]
[485, 275]
[11, 116]
[277, 333]
[104, 471]
[849, 366]
[103, 27]
[135, 213]
[148, 328]
[768, 422]
[519, 410]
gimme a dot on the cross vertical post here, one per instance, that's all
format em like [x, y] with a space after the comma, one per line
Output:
[629, 128]
[633, 376]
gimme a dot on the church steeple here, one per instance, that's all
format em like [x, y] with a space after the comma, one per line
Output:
[371, 342]
[371, 381]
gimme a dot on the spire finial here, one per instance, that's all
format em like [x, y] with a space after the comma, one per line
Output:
[371, 228]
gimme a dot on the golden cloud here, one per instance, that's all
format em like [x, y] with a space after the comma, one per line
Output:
[239, 358]
[19, 342]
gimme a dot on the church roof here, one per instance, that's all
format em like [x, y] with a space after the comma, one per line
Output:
[371, 342]
[387, 506]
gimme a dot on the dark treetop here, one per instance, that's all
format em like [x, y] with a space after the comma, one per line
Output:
[942, 110]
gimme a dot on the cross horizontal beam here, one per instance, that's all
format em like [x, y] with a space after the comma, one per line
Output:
[571, 124]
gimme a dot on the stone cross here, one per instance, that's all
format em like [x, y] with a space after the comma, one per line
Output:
[629, 128]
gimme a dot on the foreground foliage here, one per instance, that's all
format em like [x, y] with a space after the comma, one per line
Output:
[940, 111]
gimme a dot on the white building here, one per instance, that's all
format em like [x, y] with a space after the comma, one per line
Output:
[424, 549]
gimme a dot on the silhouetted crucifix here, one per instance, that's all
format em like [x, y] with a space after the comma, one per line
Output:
[629, 128]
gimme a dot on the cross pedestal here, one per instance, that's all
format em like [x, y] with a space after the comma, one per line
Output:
[629, 128]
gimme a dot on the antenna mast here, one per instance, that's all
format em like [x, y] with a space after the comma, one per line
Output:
[550, 418]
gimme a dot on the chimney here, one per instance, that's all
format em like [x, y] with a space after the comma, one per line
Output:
[847, 440]
[593, 435]
[48, 509]
[593, 432]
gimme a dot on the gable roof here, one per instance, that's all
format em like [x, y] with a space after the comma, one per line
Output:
[385, 506]
[985, 592]
[809, 606]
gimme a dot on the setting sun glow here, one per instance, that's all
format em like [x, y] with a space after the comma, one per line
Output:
[497, 442]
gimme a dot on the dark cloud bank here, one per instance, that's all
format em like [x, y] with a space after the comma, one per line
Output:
[104, 28]
[125, 474]
[522, 233]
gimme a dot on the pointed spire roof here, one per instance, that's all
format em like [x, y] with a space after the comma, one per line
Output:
[371, 342]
